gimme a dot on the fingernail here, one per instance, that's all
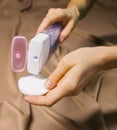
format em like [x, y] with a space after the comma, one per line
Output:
[27, 98]
[37, 32]
[61, 39]
[48, 84]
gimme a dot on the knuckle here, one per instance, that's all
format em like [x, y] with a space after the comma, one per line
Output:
[51, 10]
[59, 10]
[48, 19]
[65, 62]
[67, 84]
[49, 102]
[70, 88]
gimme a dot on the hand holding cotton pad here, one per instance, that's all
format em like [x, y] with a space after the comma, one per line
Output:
[41, 47]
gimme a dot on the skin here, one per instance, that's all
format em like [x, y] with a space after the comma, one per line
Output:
[74, 71]
[77, 68]
[68, 17]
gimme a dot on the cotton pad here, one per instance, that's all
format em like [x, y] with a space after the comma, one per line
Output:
[32, 85]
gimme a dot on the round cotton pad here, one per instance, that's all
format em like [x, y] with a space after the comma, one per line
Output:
[32, 85]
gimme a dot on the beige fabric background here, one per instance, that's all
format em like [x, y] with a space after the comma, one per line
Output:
[95, 108]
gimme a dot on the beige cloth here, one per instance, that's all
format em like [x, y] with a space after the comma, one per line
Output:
[95, 108]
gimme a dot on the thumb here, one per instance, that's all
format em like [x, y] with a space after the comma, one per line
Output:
[58, 73]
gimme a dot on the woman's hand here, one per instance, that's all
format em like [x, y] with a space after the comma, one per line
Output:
[67, 17]
[73, 72]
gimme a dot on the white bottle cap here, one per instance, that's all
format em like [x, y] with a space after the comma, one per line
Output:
[32, 85]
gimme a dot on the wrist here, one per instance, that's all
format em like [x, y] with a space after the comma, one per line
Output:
[74, 11]
[108, 57]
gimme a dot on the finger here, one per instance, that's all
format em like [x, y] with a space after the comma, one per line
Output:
[63, 66]
[45, 24]
[48, 100]
[66, 31]
[54, 15]
[64, 88]
[73, 81]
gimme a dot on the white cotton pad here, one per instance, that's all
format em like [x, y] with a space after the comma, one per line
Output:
[32, 85]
